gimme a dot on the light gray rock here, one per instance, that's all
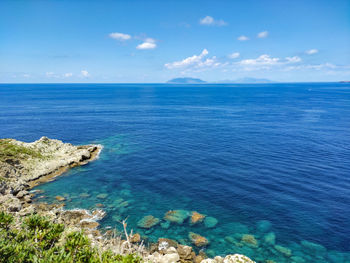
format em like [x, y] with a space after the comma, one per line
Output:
[236, 258]
[219, 259]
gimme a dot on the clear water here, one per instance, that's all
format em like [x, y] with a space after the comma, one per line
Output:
[258, 158]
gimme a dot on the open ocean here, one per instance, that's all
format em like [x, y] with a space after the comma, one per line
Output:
[269, 160]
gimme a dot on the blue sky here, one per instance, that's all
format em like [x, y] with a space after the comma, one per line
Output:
[153, 41]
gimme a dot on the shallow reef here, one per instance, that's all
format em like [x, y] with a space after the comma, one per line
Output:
[155, 214]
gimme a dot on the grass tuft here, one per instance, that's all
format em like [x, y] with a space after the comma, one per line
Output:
[9, 150]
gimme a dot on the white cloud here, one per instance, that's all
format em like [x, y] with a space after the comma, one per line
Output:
[196, 63]
[85, 73]
[210, 21]
[149, 43]
[243, 38]
[323, 66]
[26, 75]
[311, 51]
[234, 55]
[294, 59]
[50, 74]
[195, 59]
[57, 76]
[263, 34]
[67, 75]
[119, 36]
[261, 60]
[266, 62]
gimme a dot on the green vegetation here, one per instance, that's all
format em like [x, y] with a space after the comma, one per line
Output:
[2, 179]
[37, 239]
[9, 149]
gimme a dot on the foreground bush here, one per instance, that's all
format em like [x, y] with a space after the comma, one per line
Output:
[38, 240]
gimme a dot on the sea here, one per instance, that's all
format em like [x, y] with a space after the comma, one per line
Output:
[268, 165]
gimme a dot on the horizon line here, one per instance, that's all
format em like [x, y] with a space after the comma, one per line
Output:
[206, 83]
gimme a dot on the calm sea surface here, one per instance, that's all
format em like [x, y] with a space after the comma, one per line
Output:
[269, 160]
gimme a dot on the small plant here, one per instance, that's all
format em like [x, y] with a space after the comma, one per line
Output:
[5, 220]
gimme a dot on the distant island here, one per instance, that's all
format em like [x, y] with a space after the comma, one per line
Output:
[199, 81]
[186, 81]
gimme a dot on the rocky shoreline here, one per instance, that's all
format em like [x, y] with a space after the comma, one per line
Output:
[25, 165]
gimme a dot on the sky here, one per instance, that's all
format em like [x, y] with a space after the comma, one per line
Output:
[128, 41]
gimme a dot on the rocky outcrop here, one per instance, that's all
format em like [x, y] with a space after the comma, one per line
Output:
[24, 165]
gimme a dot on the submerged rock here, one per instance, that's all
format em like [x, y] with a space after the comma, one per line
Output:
[123, 204]
[285, 251]
[148, 222]
[102, 196]
[196, 217]
[60, 198]
[270, 238]
[298, 259]
[210, 222]
[313, 248]
[230, 239]
[84, 195]
[198, 240]
[176, 216]
[249, 240]
[263, 226]
[165, 225]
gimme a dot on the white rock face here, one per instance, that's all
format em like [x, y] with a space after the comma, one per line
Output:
[51, 156]
[171, 256]
[209, 260]
[236, 258]
[56, 155]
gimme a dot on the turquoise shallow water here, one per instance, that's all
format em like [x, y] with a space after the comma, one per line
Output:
[270, 161]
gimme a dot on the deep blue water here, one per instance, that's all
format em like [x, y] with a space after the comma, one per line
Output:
[239, 153]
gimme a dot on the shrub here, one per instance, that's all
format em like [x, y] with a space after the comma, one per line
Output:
[38, 240]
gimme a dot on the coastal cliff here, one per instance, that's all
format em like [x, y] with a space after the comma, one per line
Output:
[25, 165]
